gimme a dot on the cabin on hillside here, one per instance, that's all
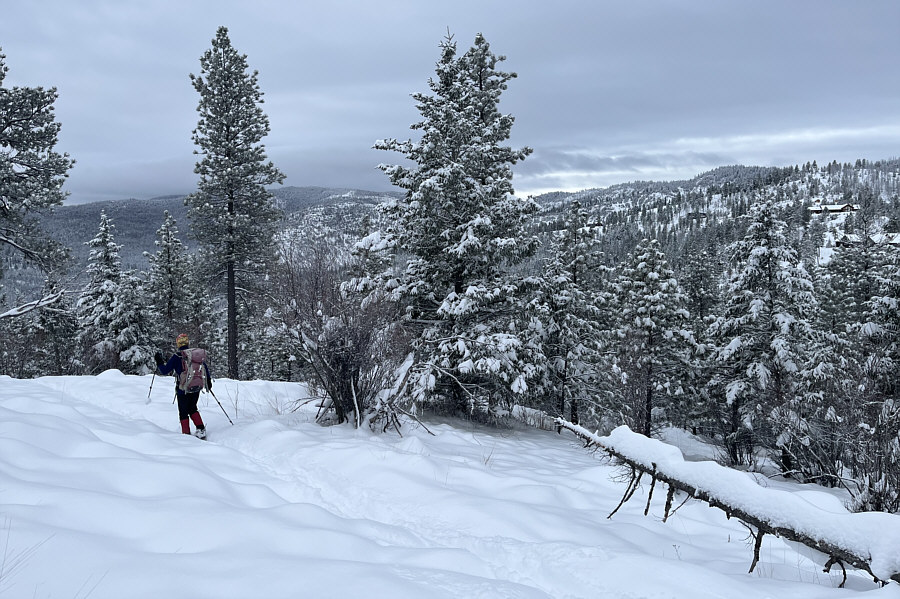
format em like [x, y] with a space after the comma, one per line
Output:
[832, 208]
[852, 240]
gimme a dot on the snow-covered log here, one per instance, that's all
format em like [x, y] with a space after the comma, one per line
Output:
[868, 541]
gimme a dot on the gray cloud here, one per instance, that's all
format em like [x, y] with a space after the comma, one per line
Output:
[607, 92]
[559, 161]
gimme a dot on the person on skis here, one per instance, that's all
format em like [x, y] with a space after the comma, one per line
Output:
[191, 374]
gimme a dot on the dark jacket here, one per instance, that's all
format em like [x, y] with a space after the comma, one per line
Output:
[175, 363]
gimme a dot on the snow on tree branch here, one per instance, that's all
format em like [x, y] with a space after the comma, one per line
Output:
[36, 304]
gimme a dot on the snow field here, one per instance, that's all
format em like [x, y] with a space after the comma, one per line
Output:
[100, 496]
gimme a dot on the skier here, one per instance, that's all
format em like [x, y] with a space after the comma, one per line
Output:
[192, 373]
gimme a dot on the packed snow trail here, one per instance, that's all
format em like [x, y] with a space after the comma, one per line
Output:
[101, 496]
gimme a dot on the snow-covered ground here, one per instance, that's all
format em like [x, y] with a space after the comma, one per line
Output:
[100, 496]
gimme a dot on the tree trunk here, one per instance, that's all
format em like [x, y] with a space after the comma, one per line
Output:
[561, 399]
[648, 403]
[231, 294]
[573, 411]
[731, 437]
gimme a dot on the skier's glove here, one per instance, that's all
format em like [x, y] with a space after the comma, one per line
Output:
[159, 359]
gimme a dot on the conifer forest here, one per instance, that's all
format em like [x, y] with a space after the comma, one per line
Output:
[756, 307]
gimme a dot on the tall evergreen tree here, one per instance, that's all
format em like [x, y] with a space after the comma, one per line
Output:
[132, 324]
[853, 272]
[232, 214]
[819, 438]
[98, 303]
[877, 461]
[464, 231]
[115, 327]
[700, 281]
[31, 176]
[654, 340]
[762, 335]
[572, 305]
[181, 303]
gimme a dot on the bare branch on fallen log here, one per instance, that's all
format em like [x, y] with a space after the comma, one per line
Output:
[756, 548]
[669, 497]
[832, 561]
[650, 494]
[633, 484]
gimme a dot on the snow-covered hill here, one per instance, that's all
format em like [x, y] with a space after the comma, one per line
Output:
[101, 497]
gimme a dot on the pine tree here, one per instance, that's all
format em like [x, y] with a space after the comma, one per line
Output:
[232, 214]
[114, 326]
[854, 269]
[570, 302]
[132, 324]
[173, 288]
[820, 435]
[699, 279]
[877, 459]
[99, 301]
[654, 340]
[762, 336]
[464, 231]
[31, 177]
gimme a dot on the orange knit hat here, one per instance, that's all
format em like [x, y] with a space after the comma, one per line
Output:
[182, 341]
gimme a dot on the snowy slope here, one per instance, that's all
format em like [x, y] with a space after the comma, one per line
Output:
[100, 497]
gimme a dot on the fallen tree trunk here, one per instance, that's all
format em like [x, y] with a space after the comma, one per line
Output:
[868, 541]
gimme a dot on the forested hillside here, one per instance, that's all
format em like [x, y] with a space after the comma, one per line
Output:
[746, 316]
[136, 222]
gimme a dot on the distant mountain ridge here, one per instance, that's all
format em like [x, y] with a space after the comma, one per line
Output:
[137, 220]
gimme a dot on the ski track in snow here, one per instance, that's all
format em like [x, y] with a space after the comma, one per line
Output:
[100, 496]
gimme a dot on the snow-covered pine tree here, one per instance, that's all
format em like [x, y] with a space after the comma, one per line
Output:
[877, 459]
[174, 289]
[823, 430]
[813, 237]
[463, 230]
[132, 323]
[98, 302]
[762, 337]
[700, 281]
[31, 176]
[853, 270]
[571, 303]
[232, 214]
[114, 323]
[842, 415]
[654, 340]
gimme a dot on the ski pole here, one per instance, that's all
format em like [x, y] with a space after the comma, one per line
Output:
[151, 387]
[220, 405]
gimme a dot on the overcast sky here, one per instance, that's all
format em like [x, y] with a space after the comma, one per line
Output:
[608, 91]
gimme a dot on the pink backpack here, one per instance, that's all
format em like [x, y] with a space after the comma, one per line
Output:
[192, 364]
